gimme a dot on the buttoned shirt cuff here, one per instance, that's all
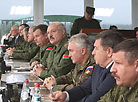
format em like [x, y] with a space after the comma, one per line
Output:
[67, 98]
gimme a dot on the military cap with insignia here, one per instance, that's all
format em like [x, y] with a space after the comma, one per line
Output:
[90, 10]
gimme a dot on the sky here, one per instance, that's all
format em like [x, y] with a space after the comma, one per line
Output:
[109, 11]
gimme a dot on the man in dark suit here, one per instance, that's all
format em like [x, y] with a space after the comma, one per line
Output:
[101, 80]
[13, 36]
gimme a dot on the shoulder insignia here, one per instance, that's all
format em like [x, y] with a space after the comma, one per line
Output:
[89, 70]
[49, 49]
[65, 56]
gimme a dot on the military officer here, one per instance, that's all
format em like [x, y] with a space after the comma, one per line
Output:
[23, 30]
[80, 48]
[125, 71]
[101, 80]
[85, 22]
[29, 51]
[58, 61]
[20, 41]
[41, 39]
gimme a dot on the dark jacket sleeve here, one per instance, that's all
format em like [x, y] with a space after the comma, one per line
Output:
[79, 92]
[103, 88]
[92, 89]
[75, 28]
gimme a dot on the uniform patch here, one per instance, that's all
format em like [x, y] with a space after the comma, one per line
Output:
[49, 49]
[89, 70]
[65, 56]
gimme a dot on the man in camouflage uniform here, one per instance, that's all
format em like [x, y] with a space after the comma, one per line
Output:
[58, 61]
[125, 71]
[22, 43]
[41, 39]
[85, 22]
[80, 48]
[101, 80]
[29, 51]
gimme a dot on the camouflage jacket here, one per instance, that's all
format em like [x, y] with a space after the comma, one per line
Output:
[28, 53]
[58, 61]
[21, 45]
[121, 94]
[77, 76]
[42, 55]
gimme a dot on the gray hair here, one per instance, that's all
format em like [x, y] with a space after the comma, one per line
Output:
[82, 41]
[16, 27]
[60, 26]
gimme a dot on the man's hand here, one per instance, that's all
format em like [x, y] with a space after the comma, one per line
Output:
[49, 82]
[32, 65]
[38, 69]
[9, 34]
[10, 49]
[9, 52]
[58, 96]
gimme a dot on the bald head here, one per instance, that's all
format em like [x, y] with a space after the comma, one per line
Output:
[15, 30]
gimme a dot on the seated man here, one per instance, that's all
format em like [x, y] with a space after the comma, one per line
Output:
[20, 41]
[13, 37]
[21, 28]
[80, 48]
[101, 81]
[58, 61]
[23, 34]
[125, 72]
[29, 51]
[41, 39]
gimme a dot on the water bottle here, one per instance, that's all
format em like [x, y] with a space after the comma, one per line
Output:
[36, 96]
[25, 94]
[33, 90]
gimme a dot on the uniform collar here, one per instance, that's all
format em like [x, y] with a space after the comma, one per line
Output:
[62, 43]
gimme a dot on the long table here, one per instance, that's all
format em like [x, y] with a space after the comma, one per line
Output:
[15, 76]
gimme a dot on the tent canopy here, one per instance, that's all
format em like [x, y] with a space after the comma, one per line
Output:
[47, 18]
